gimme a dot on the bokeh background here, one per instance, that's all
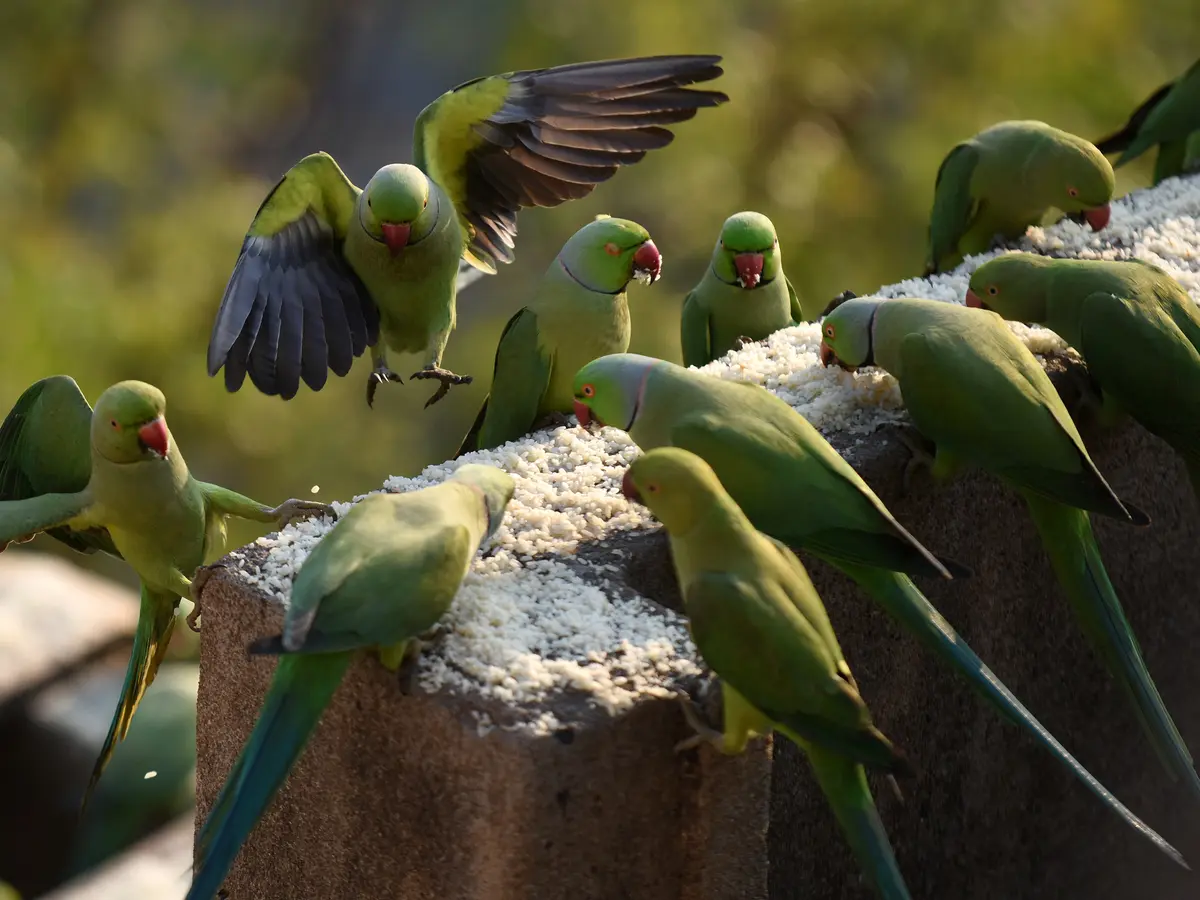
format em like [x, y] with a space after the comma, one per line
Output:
[137, 138]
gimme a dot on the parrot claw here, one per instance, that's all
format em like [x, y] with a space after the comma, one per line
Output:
[293, 510]
[743, 341]
[552, 420]
[447, 379]
[920, 450]
[705, 733]
[380, 375]
[196, 588]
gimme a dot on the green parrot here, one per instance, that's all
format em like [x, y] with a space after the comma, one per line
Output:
[743, 294]
[795, 487]
[578, 314]
[1135, 326]
[1170, 119]
[1005, 179]
[113, 479]
[760, 625]
[327, 270]
[978, 393]
[384, 575]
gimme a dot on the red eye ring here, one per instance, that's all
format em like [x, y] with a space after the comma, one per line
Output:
[830, 330]
[612, 249]
[588, 391]
[993, 290]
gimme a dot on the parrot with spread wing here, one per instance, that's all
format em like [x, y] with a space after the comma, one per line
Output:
[578, 314]
[795, 487]
[1168, 119]
[113, 479]
[759, 623]
[1134, 325]
[327, 270]
[742, 295]
[1005, 179]
[384, 575]
[983, 399]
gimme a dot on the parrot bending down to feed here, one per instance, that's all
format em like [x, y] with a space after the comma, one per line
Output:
[795, 487]
[578, 314]
[759, 623]
[383, 576]
[743, 293]
[327, 270]
[982, 398]
[1136, 328]
[1005, 179]
[1170, 119]
[113, 479]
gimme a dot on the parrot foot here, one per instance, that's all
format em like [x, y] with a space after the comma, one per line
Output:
[743, 341]
[705, 733]
[196, 588]
[294, 510]
[447, 378]
[380, 375]
[922, 456]
[406, 672]
[552, 420]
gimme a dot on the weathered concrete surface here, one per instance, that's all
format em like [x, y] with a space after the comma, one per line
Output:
[398, 796]
[989, 816]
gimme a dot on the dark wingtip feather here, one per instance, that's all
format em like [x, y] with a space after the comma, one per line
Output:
[1137, 516]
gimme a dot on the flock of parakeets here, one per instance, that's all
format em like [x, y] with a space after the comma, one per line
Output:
[737, 477]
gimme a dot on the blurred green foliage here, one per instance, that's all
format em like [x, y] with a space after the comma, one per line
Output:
[132, 136]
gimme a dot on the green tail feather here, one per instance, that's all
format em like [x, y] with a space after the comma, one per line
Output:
[844, 783]
[905, 603]
[1067, 536]
[156, 621]
[301, 689]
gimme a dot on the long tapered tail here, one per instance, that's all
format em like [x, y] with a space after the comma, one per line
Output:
[1067, 536]
[156, 621]
[844, 783]
[301, 689]
[905, 603]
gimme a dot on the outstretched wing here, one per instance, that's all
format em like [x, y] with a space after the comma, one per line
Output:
[543, 136]
[45, 448]
[954, 207]
[293, 308]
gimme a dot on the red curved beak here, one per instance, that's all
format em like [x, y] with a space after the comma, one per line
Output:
[749, 268]
[155, 437]
[827, 356]
[396, 236]
[1098, 217]
[582, 412]
[629, 489]
[648, 261]
[973, 300]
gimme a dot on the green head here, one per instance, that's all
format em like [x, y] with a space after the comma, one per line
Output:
[677, 485]
[1080, 179]
[848, 334]
[606, 254]
[128, 424]
[747, 252]
[496, 487]
[396, 200]
[1014, 285]
[609, 390]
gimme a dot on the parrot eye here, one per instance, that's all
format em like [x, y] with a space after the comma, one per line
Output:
[830, 331]
[993, 290]
[369, 205]
[1072, 192]
[588, 391]
[113, 423]
[652, 488]
[425, 204]
[612, 249]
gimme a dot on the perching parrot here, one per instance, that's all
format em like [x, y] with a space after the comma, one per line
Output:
[384, 575]
[1170, 119]
[579, 313]
[743, 294]
[759, 623]
[795, 487]
[113, 479]
[1134, 325]
[982, 398]
[327, 270]
[1005, 179]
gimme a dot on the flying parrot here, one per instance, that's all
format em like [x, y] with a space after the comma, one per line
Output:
[113, 479]
[1170, 119]
[579, 313]
[743, 293]
[383, 576]
[327, 270]
[1118, 315]
[1005, 179]
[795, 487]
[759, 623]
[978, 393]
